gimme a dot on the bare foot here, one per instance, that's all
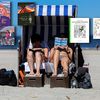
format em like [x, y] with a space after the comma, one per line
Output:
[38, 74]
[54, 74]
[65, 73]
[31, 73]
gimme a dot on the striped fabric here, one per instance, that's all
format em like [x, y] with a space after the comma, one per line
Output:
[50, 30]
[53, 19]
[55, 10]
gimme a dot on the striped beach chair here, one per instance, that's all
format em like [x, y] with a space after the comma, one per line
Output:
[50, 20]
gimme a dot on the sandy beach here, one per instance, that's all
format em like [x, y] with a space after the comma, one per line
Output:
[31, 93]
[47, 93]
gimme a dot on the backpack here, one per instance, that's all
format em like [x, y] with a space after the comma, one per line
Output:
[85, 81]
[8, 77]
[83, 78]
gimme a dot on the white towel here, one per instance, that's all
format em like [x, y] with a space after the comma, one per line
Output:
[27, 69]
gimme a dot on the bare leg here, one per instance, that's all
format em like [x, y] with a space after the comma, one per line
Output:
[56, 61]
[38, 57]
[65, 63]
[21, 78]
[30, 61]
[51, 55]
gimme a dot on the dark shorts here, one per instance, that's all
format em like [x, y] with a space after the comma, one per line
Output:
[34, 51]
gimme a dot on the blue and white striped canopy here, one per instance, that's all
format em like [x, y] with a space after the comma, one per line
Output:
[54, 14]
[55, 10]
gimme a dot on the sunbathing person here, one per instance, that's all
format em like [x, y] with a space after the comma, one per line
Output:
[36, 52]
[62, 54]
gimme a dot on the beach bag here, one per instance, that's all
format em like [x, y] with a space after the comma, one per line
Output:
[7, 77]
[85, 82]
[83, 78]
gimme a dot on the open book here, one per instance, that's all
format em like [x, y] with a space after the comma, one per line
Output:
[60, 41]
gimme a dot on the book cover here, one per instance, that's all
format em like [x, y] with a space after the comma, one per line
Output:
[26, 13]
[79, 30]
[7, 36]
[5, 13]
[60, 41]
[96, 28]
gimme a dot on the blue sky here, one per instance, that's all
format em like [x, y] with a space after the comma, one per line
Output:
[86, 8]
